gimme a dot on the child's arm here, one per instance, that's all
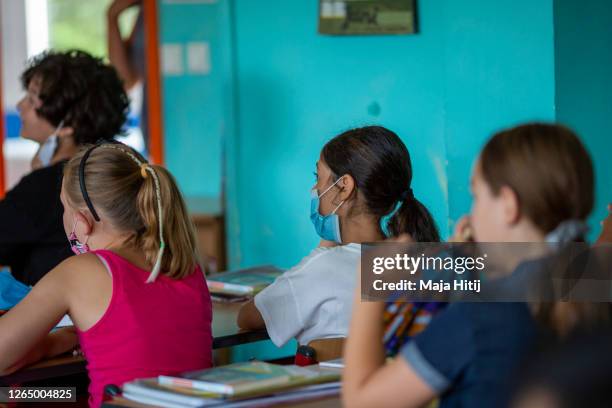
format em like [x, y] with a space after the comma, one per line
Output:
[56, 343]
[249, 317]
[28, 324]
[367, 381]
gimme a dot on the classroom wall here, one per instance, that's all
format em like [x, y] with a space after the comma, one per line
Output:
[475, 66]
[278, 91]
[583, 54]
[197, 92]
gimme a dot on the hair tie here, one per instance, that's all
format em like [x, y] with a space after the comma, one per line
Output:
[407, 194]
[143, 170]
[566, 232]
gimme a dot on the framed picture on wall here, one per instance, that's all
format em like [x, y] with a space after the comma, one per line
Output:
[362, 17]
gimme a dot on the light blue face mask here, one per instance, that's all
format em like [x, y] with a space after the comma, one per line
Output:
[48, 148]
[326, 226]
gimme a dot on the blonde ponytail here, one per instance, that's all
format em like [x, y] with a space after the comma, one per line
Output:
[144, 201]
[169, 217]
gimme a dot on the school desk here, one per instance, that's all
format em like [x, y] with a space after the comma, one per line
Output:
[225, 334]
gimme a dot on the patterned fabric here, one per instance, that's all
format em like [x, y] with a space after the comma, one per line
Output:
[404, 320]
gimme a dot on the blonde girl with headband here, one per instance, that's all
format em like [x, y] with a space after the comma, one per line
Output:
[135, 292]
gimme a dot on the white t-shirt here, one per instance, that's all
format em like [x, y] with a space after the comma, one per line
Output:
[312, 300]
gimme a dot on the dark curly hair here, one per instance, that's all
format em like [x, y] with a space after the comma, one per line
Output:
[81, 90]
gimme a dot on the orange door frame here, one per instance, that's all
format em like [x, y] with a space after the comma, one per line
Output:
[2, 174]
[153, 79]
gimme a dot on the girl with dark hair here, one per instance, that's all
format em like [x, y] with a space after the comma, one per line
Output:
[362, 194]
[532, 183]
[72, 99]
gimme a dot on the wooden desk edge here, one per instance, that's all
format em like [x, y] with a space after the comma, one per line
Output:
[52, 368]
[69, 365]
[237, 339]
[319, 402]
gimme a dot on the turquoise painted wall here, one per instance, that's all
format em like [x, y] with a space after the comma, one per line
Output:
[583, 53]
[197, 108]
[499, 59]
[278, 91]
[474, 67]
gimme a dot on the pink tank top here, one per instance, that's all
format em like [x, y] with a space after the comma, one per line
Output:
[148, 329]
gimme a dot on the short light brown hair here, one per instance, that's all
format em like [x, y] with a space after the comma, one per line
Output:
[547, 167]
[551, 172]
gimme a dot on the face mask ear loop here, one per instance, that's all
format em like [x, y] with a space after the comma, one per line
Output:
[329, 188]
[338, 206]
[74, 224]
[74, 231]
[59, 128]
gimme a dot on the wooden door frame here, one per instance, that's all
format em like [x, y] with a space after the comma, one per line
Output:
[2, 128]
[153, 82]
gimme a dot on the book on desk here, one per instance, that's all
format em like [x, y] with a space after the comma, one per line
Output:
[243, 282]
[237, 384]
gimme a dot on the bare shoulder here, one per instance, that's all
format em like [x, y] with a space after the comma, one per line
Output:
[87, 287]
[71, 280]
[78, 263]
[80, 269]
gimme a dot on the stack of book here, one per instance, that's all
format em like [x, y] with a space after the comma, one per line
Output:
[247, 384]
[237, 285]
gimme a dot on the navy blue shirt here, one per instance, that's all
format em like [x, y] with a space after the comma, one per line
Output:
[469, 352]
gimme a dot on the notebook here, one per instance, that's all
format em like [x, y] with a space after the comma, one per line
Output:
[150, 388]
[249, 378]
[243, 282]
[148, 391]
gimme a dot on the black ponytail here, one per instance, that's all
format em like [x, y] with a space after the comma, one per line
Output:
[380, 164]
[415, 219]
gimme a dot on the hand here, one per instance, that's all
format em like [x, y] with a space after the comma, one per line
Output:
[606, 228]
[119, 6]
[61, 341]
[463, 230]
[58, 342]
